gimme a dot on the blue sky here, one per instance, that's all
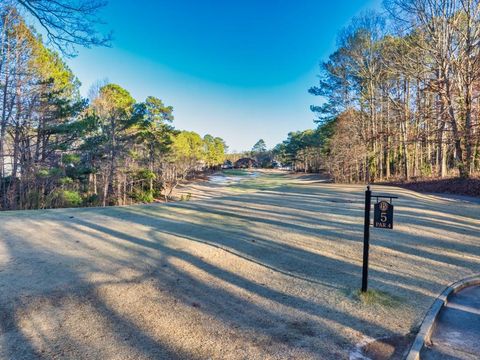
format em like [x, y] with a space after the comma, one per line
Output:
[235, 69]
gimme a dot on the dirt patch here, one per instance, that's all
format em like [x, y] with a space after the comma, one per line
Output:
[391, 348]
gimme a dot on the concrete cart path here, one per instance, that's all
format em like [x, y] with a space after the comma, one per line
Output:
[457, 331]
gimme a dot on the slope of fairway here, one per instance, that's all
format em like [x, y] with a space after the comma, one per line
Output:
[264, 268]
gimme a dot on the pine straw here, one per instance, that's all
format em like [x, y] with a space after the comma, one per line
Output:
[457, 186]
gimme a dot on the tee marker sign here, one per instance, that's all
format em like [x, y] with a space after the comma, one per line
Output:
[382, 218]
[383, 215]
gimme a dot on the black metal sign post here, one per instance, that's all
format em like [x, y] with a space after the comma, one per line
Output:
[366, 238]
[383, 218]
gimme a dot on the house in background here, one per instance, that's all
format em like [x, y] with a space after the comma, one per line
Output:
[245, 163]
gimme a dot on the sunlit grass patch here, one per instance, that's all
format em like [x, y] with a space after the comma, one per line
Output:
[263, 182]
[374, 297]
[186, 197]
[236, 172]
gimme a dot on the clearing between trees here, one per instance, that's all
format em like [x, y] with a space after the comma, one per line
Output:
[263, 267]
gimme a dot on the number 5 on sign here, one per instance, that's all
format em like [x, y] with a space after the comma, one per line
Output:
[383, 215]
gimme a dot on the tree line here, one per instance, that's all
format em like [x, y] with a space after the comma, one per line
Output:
[400, 96]
[304, 151]
[59, 149]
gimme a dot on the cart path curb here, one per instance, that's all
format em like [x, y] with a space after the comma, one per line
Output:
[426, 329]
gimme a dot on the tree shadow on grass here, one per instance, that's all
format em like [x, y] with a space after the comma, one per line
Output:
[225, 305]
[34, 310]
[341, 229]
[278, 256]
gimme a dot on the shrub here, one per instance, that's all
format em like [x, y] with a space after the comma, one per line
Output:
[145, 196]
[63, 198]
[72, 198]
